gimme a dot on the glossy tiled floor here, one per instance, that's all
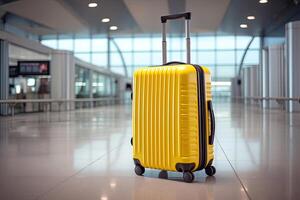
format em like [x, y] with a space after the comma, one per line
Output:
[86, 154]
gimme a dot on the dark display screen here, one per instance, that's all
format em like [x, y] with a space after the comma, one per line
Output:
[13, 71]
[34, 68]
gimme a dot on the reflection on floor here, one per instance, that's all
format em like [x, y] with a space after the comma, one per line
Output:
[86, 154]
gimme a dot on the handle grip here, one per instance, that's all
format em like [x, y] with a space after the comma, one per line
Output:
[164, 19]
[186, 16]
[212, 123]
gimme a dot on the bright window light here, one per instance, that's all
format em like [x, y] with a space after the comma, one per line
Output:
[221, 83]
[92, 5]
[18, 89]
[30, 82]
[80, 84]
[98, 84]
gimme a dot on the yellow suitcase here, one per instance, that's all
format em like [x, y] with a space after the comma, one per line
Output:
[173, 121]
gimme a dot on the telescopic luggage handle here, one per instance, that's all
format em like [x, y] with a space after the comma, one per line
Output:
[164, 19]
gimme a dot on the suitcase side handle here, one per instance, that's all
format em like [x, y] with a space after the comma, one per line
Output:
[164, 19]
[212, 123]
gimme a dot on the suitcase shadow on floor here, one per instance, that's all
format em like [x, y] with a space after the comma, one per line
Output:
[177, 177]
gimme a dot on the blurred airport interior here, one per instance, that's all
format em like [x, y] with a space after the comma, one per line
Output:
[66, 69]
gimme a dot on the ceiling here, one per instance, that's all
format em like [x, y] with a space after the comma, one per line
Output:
[44, 17]
[52, 14]
[131, 16]
[270, 17]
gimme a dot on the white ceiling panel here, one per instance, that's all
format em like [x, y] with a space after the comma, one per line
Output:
[147, 13]
[50, 13]
[207, 15]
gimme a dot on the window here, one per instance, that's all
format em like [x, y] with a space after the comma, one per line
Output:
[212, 69]
[115, 59]
[242, 42]
[225, 57]
[206, 57]
[50, 43]
[82, 45]
[99, 45]
[125, 44]
[221, 54]
[84, 56]
[82, 81]
[66, 44]
[118, 70]
[175, 43]
[156, 43]
[142, 59]
[156, 58]
[176, 56]
[226, 71]
[194, 57]
[225, 42]
[127, 58]
[206, 43]
[194, 42]
[252, 57]
[142, 44]
[99, 59]
[255, 44]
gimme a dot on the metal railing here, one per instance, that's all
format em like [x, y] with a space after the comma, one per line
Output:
[12, 103]
[270, 98]
[281, 102]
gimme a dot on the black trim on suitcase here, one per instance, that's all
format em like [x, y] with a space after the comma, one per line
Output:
[185, 167]
[202, 117]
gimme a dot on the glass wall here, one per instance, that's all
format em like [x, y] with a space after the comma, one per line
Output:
[222, 54]
[102, 85]
[82, 82]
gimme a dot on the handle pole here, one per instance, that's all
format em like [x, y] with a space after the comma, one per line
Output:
[188, 41]
[164, 43]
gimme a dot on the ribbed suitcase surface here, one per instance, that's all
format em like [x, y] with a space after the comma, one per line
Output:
[165, 116]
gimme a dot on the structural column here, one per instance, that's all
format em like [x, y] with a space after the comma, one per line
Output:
[63, 76]
[265, 74]
[4, 76]
[292, 34]
[276, 74]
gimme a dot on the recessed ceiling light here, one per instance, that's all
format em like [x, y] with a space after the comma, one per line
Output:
[263, 1]
[93, 5]
[105, 20]
[251, 17]
[113, 28]
[244, 26]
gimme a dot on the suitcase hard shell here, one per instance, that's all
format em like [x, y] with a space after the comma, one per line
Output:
[173, 120]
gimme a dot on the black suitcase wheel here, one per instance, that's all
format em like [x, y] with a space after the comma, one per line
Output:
[139, 170]
[131, 141]
[188, 177]
[210, 170]
[163, 174]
